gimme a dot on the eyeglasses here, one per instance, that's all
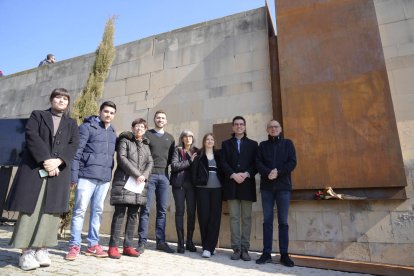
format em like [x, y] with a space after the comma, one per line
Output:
[273, 127]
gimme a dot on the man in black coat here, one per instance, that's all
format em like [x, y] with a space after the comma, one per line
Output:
[238, 162]
[276, 159]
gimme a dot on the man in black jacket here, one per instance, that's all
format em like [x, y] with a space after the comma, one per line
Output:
[238, 162]
[276, 159]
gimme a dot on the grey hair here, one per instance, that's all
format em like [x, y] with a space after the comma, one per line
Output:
[186, 133]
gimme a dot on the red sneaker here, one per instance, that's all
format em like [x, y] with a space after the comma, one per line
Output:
[73, 253]
[96, 251]
[130, 251]
[113, 252]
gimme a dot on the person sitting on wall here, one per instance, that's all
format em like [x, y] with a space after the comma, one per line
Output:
[50, 58]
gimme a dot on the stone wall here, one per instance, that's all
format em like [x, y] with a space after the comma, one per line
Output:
[205, 74]
[200, 75]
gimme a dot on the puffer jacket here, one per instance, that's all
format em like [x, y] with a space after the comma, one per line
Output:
[94, 158]
[134, 159]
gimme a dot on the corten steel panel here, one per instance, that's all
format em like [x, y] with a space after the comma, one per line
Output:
[335, 95]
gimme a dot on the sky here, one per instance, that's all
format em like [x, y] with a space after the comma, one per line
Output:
[31, 29]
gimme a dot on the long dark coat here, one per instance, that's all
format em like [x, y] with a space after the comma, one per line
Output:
[235, 162]
[40, 147]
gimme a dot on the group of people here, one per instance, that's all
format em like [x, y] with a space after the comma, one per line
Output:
[60, 155]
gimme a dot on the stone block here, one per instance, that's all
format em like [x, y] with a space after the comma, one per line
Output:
[402, 226]
[312, 248]
[408, 8]
[257, 220]
[133, 50]
[229, 90]
[391, 253]
[137, 84]
[322, 249]
[297, 247]
[390, 51]
[375, 226]
[389, 11]
[133, 68]
[122, 71]
[396, 32]
[355, 251]
[309, 226]
[147, 104]
[149, 64]
[332, 230]
[138, 97]
[406, 49]
[403, 107]
[349, 231]
[114, 89]
[403, 81]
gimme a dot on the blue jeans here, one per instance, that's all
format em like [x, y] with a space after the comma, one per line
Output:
[282, 199]
[93, 191]
[158, 184]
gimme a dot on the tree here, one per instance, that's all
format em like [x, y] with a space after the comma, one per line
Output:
[87, 102]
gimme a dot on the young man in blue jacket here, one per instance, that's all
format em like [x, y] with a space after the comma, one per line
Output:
[276, 159]
[92, 173]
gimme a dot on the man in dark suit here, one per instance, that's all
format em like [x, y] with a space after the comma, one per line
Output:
[238, 162]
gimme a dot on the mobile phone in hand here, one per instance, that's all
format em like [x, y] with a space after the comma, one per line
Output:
[43, 173]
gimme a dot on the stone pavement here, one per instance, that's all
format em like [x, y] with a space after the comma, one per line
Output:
[151, 262]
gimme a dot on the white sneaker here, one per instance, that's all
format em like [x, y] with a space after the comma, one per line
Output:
[42, 257]
[206, 254]
[27, 261]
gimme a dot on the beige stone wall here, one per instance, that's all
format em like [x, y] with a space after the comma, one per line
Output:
[200, 75]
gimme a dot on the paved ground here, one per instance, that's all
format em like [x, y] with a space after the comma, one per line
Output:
[152, 262]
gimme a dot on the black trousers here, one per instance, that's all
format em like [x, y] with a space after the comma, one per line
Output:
[184, 196]
[117, 220]
[209, 216]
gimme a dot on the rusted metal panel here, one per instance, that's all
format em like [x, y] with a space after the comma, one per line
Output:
[336, 100]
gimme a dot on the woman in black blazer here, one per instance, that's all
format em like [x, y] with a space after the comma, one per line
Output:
[40, 190]
[207, 176]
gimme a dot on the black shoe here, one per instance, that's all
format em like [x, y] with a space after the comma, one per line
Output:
[141, 248]
[164, 247]
[245, 255]
[190, 247]
[180, 249]
[264, 258]
[236, 254]
[285, 260]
